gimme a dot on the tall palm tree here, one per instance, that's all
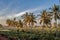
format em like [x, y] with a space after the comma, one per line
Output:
[11, 22]
[26, 18]
[20, 23]
[8, 22]
[32, 19]
[55, 12]
[45, 18]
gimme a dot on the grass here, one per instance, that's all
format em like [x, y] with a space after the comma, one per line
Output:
[35, 33]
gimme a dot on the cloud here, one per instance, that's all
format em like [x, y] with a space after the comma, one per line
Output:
[30, 10]
[19, 14]
[42, 7]
[23, 12]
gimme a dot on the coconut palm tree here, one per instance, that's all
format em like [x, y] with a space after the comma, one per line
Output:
[25, 18]
[32, 19]
[15, 22]
[45, 18]
[8, 22]
[20, 23]
[55, 11]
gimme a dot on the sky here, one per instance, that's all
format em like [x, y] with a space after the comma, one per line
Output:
[16, 8]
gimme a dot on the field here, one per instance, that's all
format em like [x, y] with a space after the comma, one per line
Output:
[35, 33]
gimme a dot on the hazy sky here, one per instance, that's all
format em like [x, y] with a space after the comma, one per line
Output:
[9, 8]
[12, 7]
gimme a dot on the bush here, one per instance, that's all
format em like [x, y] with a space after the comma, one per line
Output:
[31, 35]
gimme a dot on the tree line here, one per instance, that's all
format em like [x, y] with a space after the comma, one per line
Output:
[29, 19]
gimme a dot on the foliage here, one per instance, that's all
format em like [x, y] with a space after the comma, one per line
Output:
[32, 35]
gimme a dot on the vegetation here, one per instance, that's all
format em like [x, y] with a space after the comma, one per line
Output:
[31, 35]
[33, 32]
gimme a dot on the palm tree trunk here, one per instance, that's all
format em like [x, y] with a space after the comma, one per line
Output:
[56, 29]
[29, 24]
[43, 27]
[32, 24]
[26, 26]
